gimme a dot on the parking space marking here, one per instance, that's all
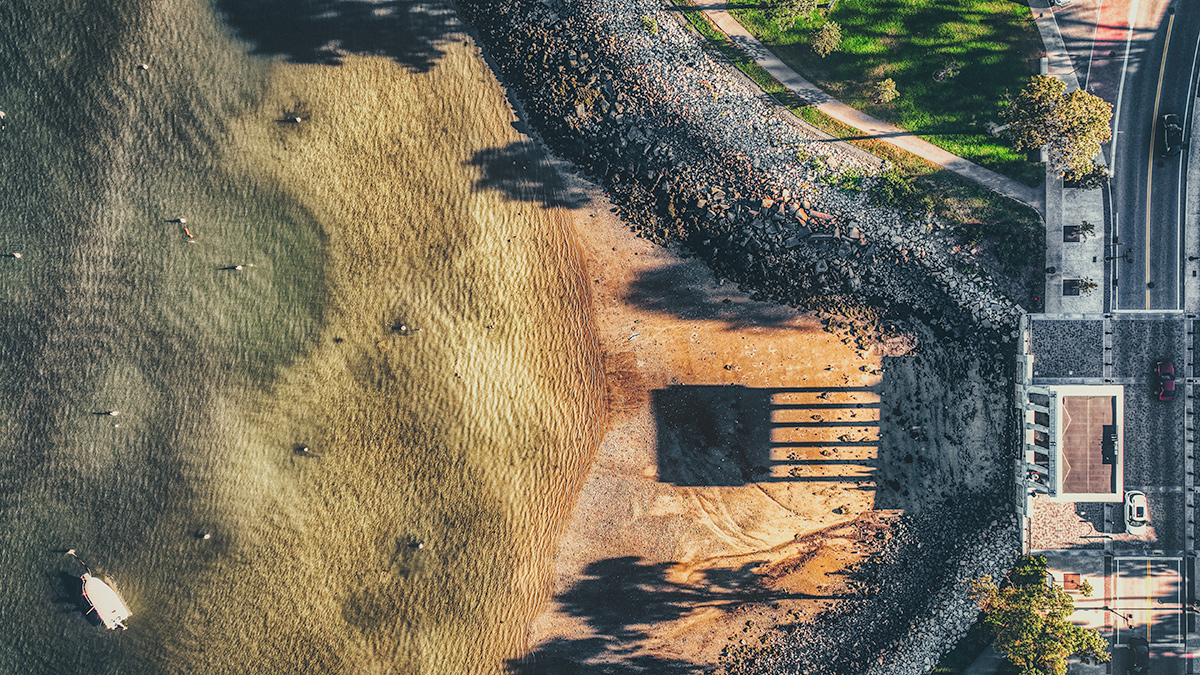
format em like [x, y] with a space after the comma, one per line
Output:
[1148, 595]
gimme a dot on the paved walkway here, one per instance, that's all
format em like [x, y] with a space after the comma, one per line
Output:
[870, 126]
[1081, 260]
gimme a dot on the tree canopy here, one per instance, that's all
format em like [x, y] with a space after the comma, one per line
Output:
[1071, 126]
[1029, 618]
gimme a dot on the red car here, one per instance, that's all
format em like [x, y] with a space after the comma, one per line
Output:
[1165, 371]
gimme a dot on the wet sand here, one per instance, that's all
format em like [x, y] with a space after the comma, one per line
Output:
[409, 306]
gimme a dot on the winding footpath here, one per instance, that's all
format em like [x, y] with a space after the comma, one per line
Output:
[870, 126]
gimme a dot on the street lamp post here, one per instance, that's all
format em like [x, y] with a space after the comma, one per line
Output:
[1126, 616]
[1124, 256]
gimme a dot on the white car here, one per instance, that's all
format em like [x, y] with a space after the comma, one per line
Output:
[1136, 512]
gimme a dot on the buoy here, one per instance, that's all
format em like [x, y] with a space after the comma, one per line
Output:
[183, 221]
[114, 413]
[206, 536]
[143, 66]
[16, 255]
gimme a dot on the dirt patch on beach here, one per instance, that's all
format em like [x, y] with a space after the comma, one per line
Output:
[754, 456]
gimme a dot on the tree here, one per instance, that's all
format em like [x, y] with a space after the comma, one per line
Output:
[885, 92]
[1030, 621]
[1094, 178]
[1071, 126]
[827, 39]
[787, 12]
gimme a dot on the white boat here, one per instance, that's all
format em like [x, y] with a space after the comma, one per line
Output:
[104, 601]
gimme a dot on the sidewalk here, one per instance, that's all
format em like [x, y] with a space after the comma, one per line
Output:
[905, 140]
[1065, 207]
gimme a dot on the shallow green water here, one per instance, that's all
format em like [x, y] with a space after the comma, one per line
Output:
[219, 374]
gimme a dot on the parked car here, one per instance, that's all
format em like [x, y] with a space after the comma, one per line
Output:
[1139, 655]
[1136, 514]
[1164, 373]
[1172, 135]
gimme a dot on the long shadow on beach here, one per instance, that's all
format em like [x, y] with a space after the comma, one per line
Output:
[623, 600]
[524, 172]
[323, 31]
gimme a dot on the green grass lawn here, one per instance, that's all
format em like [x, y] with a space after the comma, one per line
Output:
[1014, 231]
[994, 41]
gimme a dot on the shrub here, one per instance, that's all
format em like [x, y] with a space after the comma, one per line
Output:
[949, 70]
[896, 190]
[787, 12]
[827, 39]
[650, 24]
[885, 92]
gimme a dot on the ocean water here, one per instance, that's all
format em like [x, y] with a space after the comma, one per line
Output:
[415, 535]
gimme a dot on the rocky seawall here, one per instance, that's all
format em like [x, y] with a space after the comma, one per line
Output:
[912, 604]
[693, 156]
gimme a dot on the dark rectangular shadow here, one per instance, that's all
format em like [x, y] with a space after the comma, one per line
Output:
[712, 435]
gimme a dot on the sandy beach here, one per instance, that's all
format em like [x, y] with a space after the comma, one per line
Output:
[668, 325]
[752, 458]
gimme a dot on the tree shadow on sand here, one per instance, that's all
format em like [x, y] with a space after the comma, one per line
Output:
[622, 601]
[324, 31]
[685, 290]
[524, 172]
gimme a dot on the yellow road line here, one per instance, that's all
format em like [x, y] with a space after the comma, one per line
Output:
[1150, 164]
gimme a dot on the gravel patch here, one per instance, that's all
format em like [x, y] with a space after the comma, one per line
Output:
[1068, 348]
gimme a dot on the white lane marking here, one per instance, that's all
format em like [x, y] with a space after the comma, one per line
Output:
[1162, 67]
[1133, 9]
[1095, 31]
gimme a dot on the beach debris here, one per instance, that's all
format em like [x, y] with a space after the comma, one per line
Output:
[143, 66]
[113, 413]
[634, 335]
[178, 219]
[238, 268]
[14, 254]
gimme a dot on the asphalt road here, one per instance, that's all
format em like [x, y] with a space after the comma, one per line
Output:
[1147, 189]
